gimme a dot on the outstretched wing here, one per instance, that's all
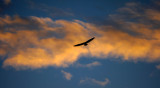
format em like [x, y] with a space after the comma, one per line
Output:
[79, 44]
[89, 40]
[85, 43]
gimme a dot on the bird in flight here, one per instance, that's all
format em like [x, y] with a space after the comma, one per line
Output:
[85, 43]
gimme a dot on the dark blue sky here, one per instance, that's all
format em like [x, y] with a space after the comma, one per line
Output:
[121, 73]
[78, 9]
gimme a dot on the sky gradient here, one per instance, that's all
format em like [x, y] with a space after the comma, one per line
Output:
[37, 38]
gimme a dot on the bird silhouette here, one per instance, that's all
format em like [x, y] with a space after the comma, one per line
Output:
[85, 43]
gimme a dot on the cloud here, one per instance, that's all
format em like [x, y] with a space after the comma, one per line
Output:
[67, 75]
[36, 42]
[94, 81]
[95, 63]
[158, 66]
[15, 20]
[153, 14]
[38, 47]
[7, 2]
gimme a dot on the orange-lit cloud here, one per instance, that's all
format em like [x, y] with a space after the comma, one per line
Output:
[40, 42]
[35, 49]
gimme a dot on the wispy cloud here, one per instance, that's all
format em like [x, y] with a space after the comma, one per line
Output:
[7, 2]
[158, 66]
[95, 63]
[67, 75]
[94, 81]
